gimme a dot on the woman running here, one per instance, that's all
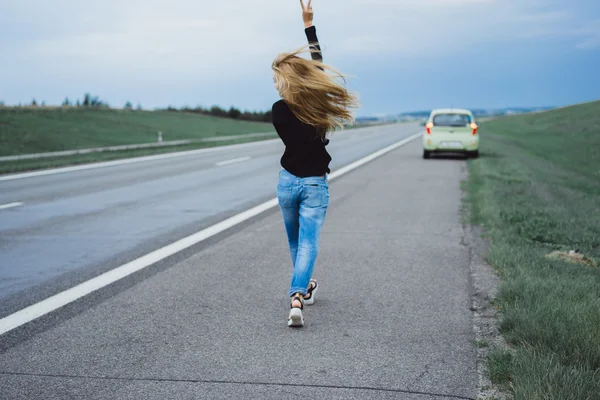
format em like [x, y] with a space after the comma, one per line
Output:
[313, 104]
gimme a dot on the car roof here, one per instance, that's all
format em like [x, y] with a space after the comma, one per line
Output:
[451, 111]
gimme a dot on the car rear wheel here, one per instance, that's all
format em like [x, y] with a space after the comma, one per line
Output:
[474, 154]
[426, 154]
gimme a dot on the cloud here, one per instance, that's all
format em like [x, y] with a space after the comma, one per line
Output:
[140, 32]
[591, 36]
[208, 36]
[590, 43]
[158, 42]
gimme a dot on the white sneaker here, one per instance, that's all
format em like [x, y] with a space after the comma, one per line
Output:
[295, 319]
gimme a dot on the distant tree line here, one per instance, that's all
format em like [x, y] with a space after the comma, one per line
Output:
[90, 101]
[129, 106]
[232, 113]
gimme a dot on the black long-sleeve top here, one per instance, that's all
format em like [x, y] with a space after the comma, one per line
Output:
[305, 154]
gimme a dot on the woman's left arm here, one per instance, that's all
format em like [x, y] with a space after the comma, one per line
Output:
[311, 31]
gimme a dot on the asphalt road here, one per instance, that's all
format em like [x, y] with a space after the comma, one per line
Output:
[392, 319]
[73, 226]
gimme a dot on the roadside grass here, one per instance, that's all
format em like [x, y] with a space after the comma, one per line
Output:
[55, 162]
[45, 129]
[500, 367]
[536, 189]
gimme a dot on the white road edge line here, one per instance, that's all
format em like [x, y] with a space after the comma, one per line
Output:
[234, 161]
[132, 160]
[10, 205]
[53, 303]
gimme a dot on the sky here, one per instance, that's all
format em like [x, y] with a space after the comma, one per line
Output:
[401, 55]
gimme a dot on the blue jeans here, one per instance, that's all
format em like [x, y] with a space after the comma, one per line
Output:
[303, 203]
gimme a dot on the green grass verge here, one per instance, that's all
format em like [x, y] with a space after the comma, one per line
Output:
[37, 130]
[536, 189]
[42, 163]
[500, 367]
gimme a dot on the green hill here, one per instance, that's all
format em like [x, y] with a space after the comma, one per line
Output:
[45, 129]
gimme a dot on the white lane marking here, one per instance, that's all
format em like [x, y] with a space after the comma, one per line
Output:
[10, 205]
[53, 303]
[234, 161]
[133, 160]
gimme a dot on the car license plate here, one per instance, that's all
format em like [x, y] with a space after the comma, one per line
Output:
[451, 145]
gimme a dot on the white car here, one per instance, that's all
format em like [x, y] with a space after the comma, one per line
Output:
[451, 130]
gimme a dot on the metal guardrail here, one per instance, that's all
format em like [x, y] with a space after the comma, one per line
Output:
[129, 147]
[93, 150]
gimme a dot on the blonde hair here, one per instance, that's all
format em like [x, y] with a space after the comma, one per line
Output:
[314, 96]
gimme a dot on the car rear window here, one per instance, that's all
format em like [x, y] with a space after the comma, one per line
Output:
[451, 120]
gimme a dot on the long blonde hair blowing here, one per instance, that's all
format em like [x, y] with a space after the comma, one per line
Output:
[314, 96]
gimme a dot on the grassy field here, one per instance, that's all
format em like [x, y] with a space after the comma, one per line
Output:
[536, 189]
[37, 130]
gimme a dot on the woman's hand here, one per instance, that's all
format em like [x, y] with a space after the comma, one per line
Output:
[307, 13]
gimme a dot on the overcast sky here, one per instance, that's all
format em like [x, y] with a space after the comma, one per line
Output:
[405, 54]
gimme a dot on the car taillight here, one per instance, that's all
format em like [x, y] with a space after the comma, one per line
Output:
[428, 128]
[474, 127]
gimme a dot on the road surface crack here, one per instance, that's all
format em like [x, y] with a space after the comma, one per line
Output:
[231, 382]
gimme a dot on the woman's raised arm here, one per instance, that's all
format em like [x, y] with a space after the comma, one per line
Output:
[311, 31]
